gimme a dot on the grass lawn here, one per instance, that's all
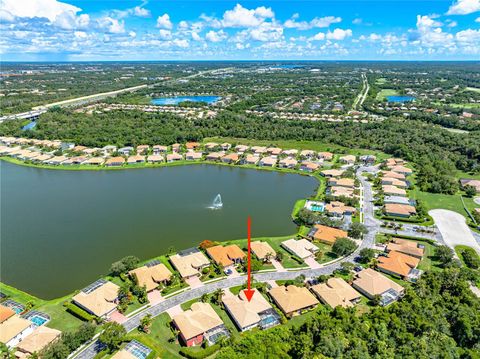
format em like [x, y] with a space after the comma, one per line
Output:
[439, 200]
[297, 207]
[60, 318]
[382, 95]
[159, 338]
[474, 89]
[381, 81]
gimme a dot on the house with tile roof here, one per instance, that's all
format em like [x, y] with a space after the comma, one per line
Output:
[336, 292]
[293, 300]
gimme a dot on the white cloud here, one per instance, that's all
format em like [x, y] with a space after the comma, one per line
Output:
[243, 17]
[216, 36]
[196, 36]
[339, 34]
[163, 22]
[468, 36]
[80, 34]
[111, 25]
[241, 46]
[477, 19]
[464, 7]
[183, 43]
[165, 34]
[357, 21]
[452, 24]
[319, 22]
[425, 22]
[132, 34]
[141, 12]
[318, 37]
[267, 31]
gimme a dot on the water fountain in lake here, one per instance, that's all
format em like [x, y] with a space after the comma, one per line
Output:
[217, 202]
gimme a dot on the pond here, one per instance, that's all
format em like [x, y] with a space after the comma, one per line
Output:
[179, 99]
[400, 99]
[29, 126]
[62, 229]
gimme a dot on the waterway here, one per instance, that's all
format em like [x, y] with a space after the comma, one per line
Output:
[179, 99]
[61, 230]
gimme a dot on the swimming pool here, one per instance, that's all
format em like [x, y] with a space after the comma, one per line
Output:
[37, 318]
[315, 206]
[38, 321]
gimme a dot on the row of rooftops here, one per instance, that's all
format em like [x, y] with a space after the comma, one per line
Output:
[19, 332]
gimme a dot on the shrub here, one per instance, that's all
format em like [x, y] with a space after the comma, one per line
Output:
[78, 312]
[471, 258]
[199, 354]
[343, 246]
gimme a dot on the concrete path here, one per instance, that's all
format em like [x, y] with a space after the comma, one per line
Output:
[278, 266]
[454, 229]
[154, 297]
[118, 317]
[312, 263]
[194, 282]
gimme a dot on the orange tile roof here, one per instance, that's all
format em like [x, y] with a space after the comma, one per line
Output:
[328, 234]
[5, 313]
[225, 255]
[398, 263]
[401, 209]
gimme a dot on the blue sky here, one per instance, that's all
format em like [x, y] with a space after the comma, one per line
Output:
[77, 30]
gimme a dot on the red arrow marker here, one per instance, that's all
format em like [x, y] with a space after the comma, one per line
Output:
[249, 291]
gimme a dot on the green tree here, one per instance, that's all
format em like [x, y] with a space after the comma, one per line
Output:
[343, 247]
[357, 230]
[347, 267]
[112, 335]
[444, 254]
[145, 323]
[470, 191]
[366, 255]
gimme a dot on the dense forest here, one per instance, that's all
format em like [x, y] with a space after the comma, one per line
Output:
[439, 318]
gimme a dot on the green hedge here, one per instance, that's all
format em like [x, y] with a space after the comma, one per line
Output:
[199, 354]
[78, 312]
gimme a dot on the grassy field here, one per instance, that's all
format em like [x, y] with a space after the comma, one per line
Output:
[60, 318]
[381, 81]
[382, 95]
[474, 89]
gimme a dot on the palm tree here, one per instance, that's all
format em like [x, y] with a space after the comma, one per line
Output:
[145, 323]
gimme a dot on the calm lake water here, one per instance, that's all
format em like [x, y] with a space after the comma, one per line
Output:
[60, 230]
[178, 99]
[400, 99]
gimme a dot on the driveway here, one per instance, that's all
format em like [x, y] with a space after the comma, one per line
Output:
[454, 229]
[194, 282]
[312, 263]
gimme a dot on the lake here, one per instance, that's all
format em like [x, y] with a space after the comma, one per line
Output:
[400, 99]
[62, 229]
[179, 99]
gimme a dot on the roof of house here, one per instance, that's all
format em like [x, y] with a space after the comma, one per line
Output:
[200, 318]
[336, 292]
[348, 158]
[245, 312]
[301, 247]
[225, 255]
[187, 264]
[401, 169]
[310, 165]
[115, 160]
[252, 159]
[288, 161]
[13, 326]
[5, 313]
[38, 339]
[343, 182]
[325, 155]
[99, 301]
[393, 190]
[405, 246]
[262, 249]
[341, 191]
[292, 298]
[136, 158]
[174, 156]
[268, 160]
[231, 156]
[374, 283]
[401, 209]
[339, 207]
[151, 276]
[398, 263]
[328, 234]
[392, 174]
[306, 153]
[332, 172]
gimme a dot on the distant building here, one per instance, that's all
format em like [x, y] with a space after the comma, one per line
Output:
[371, 283]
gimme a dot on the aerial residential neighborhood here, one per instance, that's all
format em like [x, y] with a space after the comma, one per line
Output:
[260, 179]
